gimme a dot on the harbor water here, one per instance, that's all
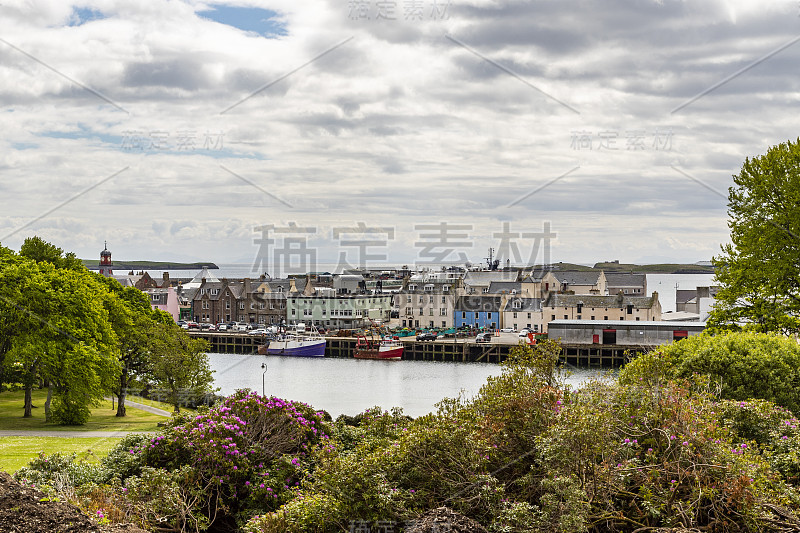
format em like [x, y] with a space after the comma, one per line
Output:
[349, 386]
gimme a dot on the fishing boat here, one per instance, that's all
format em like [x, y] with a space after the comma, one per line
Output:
[386, 348]
[297, 342]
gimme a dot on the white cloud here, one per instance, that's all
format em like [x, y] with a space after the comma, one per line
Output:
[399, 125]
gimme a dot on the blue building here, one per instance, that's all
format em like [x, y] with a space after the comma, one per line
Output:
[478, 311]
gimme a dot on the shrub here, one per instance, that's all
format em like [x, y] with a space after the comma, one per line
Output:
[746, 364]
[246, 454]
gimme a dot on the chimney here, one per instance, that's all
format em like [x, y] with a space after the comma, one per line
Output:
[165, 278]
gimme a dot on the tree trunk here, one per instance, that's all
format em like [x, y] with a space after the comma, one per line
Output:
[28, 400]
[47, 415]
[123, 392]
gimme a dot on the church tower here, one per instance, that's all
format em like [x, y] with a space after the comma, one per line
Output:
[105, 262]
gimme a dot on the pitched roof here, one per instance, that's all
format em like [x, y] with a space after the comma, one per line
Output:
[573, 277]
[619, 279]
[479, 303]
[591, 300]
[485, 277]
[498, 287]
[524, 304]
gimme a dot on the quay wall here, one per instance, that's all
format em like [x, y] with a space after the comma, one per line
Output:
[577, 355]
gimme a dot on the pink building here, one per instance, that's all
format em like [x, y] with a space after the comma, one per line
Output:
[166, 300]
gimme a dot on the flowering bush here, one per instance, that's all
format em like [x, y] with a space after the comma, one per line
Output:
[247, 454]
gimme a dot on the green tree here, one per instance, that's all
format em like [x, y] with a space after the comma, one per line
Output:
[134, 322]
[759, 271]
[745, 364]
[42, 251]
[58, 333]
[180, 365]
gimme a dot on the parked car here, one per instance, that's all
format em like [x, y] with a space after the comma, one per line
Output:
[205, 325]
[524, 332]
[427, 336]
[507, 330]
[212, 327]
[222, 327]
[483, 337]
[192, 325]
[257, 331]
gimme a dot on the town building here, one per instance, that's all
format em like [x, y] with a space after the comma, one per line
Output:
[428, 299]
[522, 313]
[601, 308]
[624, 333]
[629, 284]
[479, 311]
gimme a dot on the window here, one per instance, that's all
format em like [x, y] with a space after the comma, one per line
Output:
[408, 311]
[430, 311]
[227, 304]
[463, 314]
[241, 305]
[554, 317]
[529, 315]
[261, 305]
[421, 311]
[214, 292]
[477, 315]
[486, 290]
[443, 311]
[412, 287]
[202, 291]
[515, 314]
[205, 304]
[579, 317]
[517, 304]
[446, 288]
[605, 318]
[272, 305]
[430, 299]
[637, 318]
[444, 323]
[592, 317]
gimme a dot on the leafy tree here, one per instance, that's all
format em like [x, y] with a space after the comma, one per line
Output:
[134, 323]
[759, 271]
[180, 364]
[42, 251]
[746, 365]
[58, 332]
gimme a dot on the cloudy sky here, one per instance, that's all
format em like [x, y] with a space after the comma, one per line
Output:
[234, 131]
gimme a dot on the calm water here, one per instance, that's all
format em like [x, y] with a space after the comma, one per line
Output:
[349, 386]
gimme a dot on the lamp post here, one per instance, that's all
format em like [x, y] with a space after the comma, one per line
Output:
[264, 366]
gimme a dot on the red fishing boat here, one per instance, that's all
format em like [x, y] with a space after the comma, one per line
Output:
[387, 348]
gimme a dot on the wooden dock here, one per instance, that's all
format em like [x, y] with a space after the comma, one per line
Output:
[577, 355]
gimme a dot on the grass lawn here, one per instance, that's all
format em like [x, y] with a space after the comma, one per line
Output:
[102, 419]
[16, 452]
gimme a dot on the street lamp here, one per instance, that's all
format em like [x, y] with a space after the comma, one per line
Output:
[264, 366]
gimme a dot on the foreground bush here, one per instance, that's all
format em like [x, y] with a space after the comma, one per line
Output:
[745, 364]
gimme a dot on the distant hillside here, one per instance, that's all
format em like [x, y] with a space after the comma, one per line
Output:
[92, 264]
[666, 268]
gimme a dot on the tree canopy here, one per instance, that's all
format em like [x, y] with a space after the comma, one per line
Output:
[84, 336]
[759, 270]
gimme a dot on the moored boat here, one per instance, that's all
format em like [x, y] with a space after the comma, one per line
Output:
[297, 343]
[378, 348]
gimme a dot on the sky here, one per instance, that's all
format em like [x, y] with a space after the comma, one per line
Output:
[312, 132]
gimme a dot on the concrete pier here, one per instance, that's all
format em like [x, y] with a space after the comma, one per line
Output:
[445, 350]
